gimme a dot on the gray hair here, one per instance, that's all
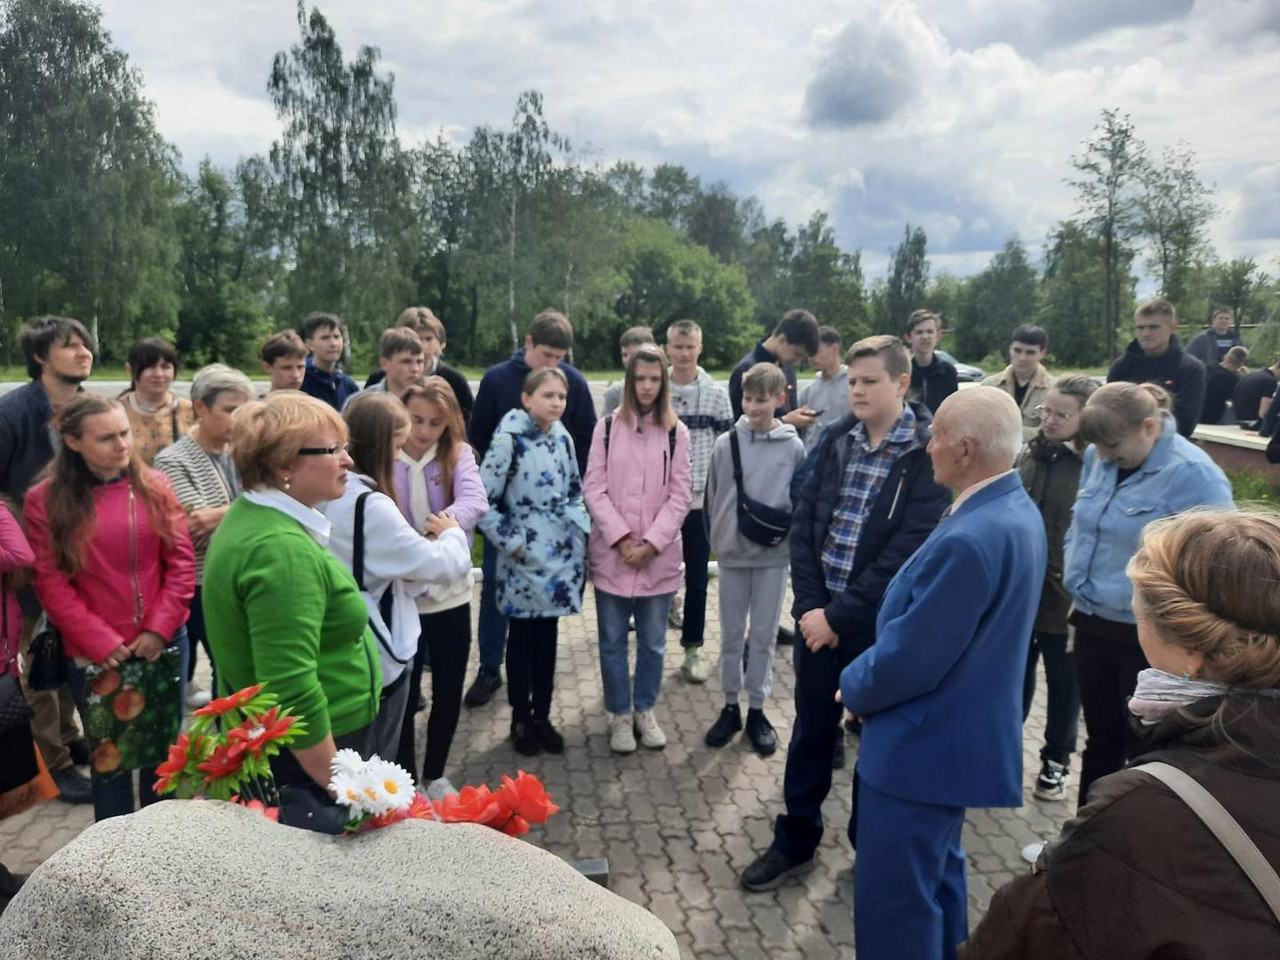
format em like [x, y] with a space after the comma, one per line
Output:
[218, 378]
[989, 417]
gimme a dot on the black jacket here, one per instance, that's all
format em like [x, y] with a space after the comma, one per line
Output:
[934, 383]
[455, 379]
[25, 442]
[1250, 392]
[904, 514]
[760, 355]
[1051, 473]
[1182, 375]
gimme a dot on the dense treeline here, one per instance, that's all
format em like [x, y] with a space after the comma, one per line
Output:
[97, 220]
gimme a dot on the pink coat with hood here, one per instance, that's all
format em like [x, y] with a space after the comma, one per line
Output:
[640, 490]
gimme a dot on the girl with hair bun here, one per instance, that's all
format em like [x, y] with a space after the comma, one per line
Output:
[1137, 873]
[1136, 469]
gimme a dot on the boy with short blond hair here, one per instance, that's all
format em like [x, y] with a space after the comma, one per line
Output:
[284, 360]
[431, 332]
[632, 339]
[702, 405]
[401, 359]
[755, 461]
[828, 395]
[868, 503]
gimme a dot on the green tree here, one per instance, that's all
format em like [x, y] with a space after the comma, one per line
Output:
[827, 281]
[907, 277]
[340, 180]
[87, 184]
[1235, 284]
[997, 301]
[1175, 209]
[1108, 176]
[767, 257]
[1073, 306]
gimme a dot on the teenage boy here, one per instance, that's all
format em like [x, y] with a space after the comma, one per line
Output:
[868, 503]
[828, 394]
[1220, 385]
[932, 378]
[1025, 378]
[1156, 356]
[1252, 396]
[324, 379]
[794, 338]
[400, 357]
[703, 406]
[753, 576]
[633, 338]
[549, 338]
[1210, 346]
[284, 360]
[431, 332]
[59, 355]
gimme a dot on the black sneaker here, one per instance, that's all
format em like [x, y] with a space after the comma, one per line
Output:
[837, 753]
[1052, 782]
[772, 868]
[853, 725]
[786, 637]
[760, 732]
[486, 684]
[547, 736]
[79, 750]
[72, 787]
[727, 724]
[526, 740]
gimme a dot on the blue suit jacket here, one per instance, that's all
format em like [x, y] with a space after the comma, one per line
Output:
[941, 688]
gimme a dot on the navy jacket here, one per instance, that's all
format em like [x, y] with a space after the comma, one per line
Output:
[499, 392]
[1182, 375]
[760, 355]
[26, 444]
[940, 691]
[333, 388]
[902, 517]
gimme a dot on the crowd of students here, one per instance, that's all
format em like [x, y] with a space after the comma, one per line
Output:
[318, 538]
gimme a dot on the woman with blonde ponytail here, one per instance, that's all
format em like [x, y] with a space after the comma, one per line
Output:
[1136, 469]
[1138, 873]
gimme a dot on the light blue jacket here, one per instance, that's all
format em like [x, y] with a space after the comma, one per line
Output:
[539, 512]
[1107, 521]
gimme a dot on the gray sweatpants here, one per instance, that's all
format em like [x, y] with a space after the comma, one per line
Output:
[753, 593]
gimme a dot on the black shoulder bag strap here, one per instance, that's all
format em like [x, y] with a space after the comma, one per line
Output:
[357, 570]
[737, 460]
[173, 421]
[671, 438]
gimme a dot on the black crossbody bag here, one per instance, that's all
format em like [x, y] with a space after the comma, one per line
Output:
[758, 522]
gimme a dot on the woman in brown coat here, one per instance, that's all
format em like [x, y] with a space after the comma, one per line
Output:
[1137, 874]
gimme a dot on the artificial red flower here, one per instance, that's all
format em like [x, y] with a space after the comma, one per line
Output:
[515, 826]
[174, 765]
[256, 734]
[224, 761]
[257, 806]
[420, 809]
[527, 797]
[217, 708]
[472, 805]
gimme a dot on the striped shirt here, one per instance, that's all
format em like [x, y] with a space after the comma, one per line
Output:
[197, 483]
[864, 474]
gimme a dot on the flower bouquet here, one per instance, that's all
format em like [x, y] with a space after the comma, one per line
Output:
[378, 793]
[226, 753]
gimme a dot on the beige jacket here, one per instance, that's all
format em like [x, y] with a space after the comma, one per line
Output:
[1035, 395]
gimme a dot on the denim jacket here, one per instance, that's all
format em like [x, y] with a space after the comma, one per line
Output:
[1108, 519]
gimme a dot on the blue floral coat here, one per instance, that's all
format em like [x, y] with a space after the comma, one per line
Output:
[537, 511]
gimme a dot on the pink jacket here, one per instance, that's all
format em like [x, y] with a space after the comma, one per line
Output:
[638, 490]
[15, 553]
[95, 610]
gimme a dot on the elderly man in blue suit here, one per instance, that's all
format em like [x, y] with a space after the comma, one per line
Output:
[940, 690]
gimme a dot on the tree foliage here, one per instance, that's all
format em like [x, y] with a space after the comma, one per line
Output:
[908, 278]
[996, 301]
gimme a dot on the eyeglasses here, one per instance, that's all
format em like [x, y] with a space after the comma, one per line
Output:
[1045, 413]
[324, 451]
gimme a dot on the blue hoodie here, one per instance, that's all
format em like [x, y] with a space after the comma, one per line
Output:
[1108, 519]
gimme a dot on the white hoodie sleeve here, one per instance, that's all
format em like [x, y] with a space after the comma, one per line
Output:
[393, 550]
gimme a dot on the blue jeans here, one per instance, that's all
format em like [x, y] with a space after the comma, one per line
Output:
[113, 793]
[697, 552]
[493, 625]
[612, 614]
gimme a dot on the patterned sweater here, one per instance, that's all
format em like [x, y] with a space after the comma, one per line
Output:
[703, 406]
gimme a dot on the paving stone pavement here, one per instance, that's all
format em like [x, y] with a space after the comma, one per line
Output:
[676, 825]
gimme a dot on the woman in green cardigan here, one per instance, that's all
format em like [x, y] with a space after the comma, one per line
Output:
[279, 607]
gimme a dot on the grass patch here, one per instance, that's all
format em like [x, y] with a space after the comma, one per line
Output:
[1251, 487]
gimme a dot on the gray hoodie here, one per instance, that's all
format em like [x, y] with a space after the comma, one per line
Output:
[831, 396]
[768, 461]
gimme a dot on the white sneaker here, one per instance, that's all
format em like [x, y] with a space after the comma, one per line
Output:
[622, 734]
[651, 734]
[197, 698]
[439, 788]
[695, 671]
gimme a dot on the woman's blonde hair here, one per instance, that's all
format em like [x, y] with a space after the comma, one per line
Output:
[373, 421]
[1209, 581]
[267, 434]
[1118, 409]
[629, 408]
[436, 390]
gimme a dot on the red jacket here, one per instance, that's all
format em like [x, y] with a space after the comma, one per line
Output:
[95, 610]
[15, 554]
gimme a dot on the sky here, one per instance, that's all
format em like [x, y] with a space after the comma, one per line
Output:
[957, 115]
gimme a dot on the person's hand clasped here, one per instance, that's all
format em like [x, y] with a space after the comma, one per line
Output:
[438, 523]
[148, 645]
[117, 656]
[636, 555]
[848, 713]
[817, 632]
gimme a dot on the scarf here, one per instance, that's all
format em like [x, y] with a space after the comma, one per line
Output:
[1161, 694]
[419, 498]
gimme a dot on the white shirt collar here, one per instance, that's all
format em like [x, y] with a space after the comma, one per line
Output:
[969, 491]
[312, 520]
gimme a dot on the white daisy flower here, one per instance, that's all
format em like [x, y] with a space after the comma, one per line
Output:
[347, 791]
[393, 782]
[347, 762]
